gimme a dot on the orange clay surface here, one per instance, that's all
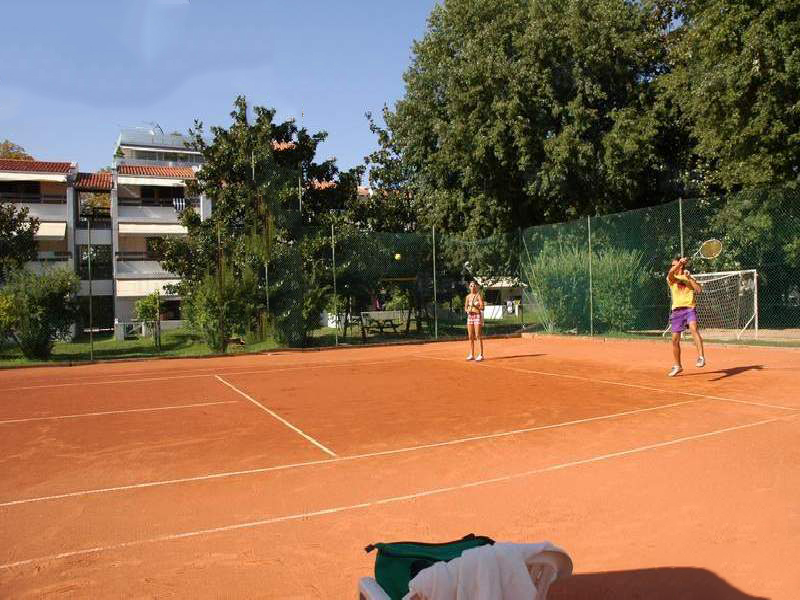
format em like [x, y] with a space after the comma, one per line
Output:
[265, 476]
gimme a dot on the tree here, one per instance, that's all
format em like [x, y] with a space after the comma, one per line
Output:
[736, 79]
[251, 171]
[9, 149]
[517, 113]
[36, 310]
[17, 243]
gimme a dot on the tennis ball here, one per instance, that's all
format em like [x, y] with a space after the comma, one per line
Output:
[397, 256]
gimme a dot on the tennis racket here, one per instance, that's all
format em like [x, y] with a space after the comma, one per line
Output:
[708, 249]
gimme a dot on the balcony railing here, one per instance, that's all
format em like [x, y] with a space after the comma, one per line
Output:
[143, 162]
[129, 255]
[22, 198]
[57, 256]
[159, 202]
[103, 223]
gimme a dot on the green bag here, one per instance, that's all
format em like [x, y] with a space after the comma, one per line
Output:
[398, 563]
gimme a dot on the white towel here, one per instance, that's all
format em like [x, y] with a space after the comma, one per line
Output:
[496, 572]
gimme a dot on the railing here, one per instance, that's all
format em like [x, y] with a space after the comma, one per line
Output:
[130, 255]
[97, 223]
[53, 256]
[22, 198]
[158, 202]
[195, 160]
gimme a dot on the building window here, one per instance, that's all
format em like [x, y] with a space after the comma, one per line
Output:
[102, 267]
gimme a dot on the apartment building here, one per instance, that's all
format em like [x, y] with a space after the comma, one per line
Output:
[46, 189]
[138, 200]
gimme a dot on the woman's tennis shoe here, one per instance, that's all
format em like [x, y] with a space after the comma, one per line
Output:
[479, 358]
[675, 370]
[701, 361]
[469, 356]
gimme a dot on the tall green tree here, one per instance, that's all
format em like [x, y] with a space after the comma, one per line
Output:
[257, 173]
[520, 112]
[736, 80]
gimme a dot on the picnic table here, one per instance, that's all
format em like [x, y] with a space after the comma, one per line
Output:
[383, 319]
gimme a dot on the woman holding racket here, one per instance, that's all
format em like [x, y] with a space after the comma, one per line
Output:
[683, 287]
[473, 306]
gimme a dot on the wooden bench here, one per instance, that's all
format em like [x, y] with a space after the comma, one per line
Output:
[379, 319]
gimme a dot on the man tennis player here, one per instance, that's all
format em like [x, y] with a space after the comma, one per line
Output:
[683, 287]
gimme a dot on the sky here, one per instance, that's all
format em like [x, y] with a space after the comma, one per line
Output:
[74, 72]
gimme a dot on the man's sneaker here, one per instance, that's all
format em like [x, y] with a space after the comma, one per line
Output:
[479, 358]
[675, 370]
[701, 361]
[469, 356]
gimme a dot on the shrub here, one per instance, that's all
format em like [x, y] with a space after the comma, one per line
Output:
[36, 310]
[559, 281]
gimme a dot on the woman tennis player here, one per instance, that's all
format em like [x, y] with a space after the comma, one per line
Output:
[473, 306]
[683, 287]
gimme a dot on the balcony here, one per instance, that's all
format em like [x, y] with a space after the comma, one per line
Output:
[97, 223]
[142, 162]
[53, 256]
[140, 265]
[22, 198]
[48, 260]
[176, 203]
[132, 255]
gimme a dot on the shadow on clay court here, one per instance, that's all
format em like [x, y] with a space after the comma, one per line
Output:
[664, 583]
[725, 373]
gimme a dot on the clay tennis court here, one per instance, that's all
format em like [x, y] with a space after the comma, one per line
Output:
[265, 476]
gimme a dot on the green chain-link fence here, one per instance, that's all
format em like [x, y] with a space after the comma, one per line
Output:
[592, 276]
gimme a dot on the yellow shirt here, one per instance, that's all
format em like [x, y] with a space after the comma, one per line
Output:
[682, 292]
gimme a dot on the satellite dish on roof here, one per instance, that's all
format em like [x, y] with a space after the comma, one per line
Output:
[155, 128]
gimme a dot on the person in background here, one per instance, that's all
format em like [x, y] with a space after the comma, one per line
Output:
[473, 306]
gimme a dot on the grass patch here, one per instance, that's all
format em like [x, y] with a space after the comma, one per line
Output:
[177, 342]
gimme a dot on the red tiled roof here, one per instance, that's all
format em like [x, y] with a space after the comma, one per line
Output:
[363, 191]
[147, 171]
[95, 182]
[316, 184]
[34, 166]
[280, 146]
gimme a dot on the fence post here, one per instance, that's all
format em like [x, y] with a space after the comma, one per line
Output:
[680, 222]
[91, 315]
[591, 300]
[435, 296]
[755, 299]
[335, 301]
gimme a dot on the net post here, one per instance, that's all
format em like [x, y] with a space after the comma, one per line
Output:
[335, 301]
[680, 222]
[435, 297]
[591, 301]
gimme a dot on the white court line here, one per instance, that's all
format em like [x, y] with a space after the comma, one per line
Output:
[389, 500]
[229, 374]
[338, 459]
[116, 412]
[222, 370]
[277, 417]
[618, 383]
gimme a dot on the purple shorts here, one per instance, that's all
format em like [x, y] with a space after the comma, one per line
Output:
[681, 317]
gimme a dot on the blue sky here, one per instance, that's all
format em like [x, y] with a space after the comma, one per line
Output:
[72, 73]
